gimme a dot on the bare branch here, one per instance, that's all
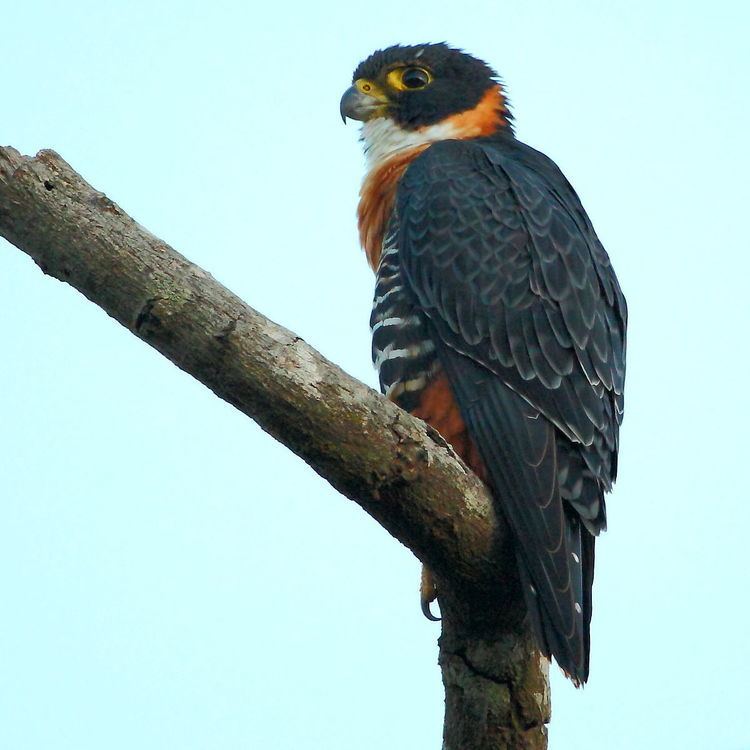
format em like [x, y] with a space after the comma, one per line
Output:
[398, 469]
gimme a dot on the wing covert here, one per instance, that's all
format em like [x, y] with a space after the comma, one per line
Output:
[499, 253]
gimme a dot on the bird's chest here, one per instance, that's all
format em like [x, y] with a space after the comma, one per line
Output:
[377, 198]
[403, 350]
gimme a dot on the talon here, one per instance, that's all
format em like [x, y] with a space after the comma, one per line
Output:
[427, 593]
[427, 612]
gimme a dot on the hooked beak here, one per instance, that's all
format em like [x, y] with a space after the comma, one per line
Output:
[357, 105]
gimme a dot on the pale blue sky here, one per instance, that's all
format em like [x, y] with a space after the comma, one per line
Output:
[173, 578]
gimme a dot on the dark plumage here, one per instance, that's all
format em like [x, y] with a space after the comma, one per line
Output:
[520, 296]
[493, 275]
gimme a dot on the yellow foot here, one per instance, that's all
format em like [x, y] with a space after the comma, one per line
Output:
[427, 593]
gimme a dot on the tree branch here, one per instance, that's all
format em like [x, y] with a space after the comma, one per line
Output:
[393, 465]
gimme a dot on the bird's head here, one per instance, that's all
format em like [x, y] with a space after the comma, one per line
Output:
[408, 95]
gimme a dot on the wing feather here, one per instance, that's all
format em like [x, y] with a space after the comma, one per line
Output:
[497, 251]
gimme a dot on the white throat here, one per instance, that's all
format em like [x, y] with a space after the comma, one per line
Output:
[383, 138]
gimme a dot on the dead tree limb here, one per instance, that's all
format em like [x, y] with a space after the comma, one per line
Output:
[394, 466]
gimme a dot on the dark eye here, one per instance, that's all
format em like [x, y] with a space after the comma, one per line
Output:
[415, 78]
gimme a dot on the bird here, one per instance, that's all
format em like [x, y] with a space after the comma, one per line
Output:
[497, 316]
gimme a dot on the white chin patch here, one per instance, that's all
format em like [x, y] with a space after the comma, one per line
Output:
[383, 138]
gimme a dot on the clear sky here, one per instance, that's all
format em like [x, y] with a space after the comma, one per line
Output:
[173, 578]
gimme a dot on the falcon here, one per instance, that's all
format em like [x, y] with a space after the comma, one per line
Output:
[497, 317]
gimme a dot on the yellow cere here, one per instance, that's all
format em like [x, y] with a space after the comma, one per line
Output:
[365, 86]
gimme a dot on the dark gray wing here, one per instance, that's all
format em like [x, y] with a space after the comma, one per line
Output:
[530, 320]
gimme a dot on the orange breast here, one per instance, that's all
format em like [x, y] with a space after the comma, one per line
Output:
[377, 196]
[439, 409]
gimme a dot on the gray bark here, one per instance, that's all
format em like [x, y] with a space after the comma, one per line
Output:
[394, 466]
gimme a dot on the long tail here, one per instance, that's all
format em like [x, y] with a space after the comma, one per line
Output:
[571, 650]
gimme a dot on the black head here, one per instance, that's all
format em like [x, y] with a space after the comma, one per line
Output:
[417, 85]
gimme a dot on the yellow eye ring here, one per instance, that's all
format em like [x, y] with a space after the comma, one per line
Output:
[410, 78]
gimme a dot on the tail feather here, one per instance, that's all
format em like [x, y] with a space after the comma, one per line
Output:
[522, 454]
[570, 651]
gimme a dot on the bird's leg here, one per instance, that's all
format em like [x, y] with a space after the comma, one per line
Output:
[427, 593]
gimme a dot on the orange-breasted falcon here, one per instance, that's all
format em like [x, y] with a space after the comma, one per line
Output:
[497, 315]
